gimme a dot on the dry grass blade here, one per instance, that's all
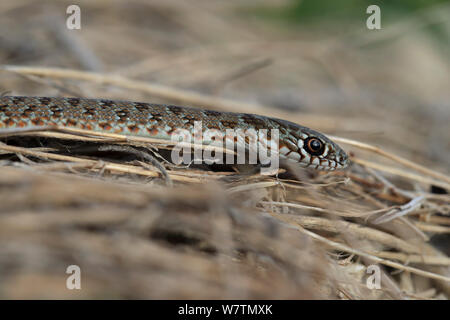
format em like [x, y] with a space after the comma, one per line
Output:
[94, 163]
[401, 211]
[373, 258]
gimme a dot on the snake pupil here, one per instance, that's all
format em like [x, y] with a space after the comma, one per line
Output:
[314, 146]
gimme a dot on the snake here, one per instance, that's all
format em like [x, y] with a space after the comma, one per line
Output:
[297, 144]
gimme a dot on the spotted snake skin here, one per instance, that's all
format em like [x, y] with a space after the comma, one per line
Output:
[160, 121]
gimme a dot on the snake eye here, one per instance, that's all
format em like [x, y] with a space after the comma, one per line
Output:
[314, 146]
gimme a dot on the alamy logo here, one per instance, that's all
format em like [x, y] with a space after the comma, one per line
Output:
[374, 20]
[74, 280]
[374, 280]
[74, 20]
[237, 144]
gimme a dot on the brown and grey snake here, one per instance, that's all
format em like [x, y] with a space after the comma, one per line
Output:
[297, 143]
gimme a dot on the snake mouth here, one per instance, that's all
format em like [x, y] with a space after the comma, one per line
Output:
[342, 164]
[343, 160]
[338, 162]
[335, 165]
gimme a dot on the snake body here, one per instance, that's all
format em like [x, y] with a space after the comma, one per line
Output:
[297, 143]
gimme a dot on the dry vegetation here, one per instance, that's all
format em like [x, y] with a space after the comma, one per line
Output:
[201, 233]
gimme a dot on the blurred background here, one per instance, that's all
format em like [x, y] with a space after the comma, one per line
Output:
[313, 62]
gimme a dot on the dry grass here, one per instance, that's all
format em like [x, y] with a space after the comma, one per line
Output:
[142, 231]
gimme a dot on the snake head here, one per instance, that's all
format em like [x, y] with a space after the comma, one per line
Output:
[310, 148]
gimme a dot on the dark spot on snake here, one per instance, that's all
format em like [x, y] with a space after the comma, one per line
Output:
[74, 101]
[71, 122]
[141, 107]
[8, 122]
[17, 100]
[253, 122]
[104, 125]
[37, 122]
[175, 109]
[211, 113]
[107, 103]
[45, 101]
[133, 128]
